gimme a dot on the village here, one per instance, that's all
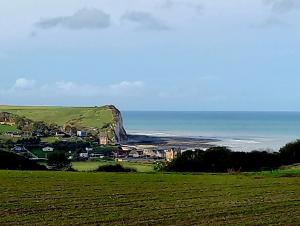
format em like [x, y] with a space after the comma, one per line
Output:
[85, 146]
[120, 153]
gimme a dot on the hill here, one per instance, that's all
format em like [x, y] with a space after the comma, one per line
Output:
[106, 118]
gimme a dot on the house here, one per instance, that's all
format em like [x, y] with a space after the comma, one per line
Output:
[13, 134]
[81, 133]
[89, 149]
[48, 149]
[103, 139]
[134, 154]
[127, 148]
[8, 123]
[37, 134]
[96, 156]
[84, 155]
[161, 154]
[150, 153]
[19, 149]
[61, 134]
[120, 153]
[172, 154]
[70, 129]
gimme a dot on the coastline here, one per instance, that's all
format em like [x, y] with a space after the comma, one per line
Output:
[166, 142]
[235, 143]
[239, 131]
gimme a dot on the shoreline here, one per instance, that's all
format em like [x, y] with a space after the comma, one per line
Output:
[166, 142]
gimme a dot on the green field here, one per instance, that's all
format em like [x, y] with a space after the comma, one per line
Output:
[82, 116]
[7, 128]
[81, 198]
[92, 165]
[50, 140]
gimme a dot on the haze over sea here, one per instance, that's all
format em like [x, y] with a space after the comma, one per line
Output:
[243, 131]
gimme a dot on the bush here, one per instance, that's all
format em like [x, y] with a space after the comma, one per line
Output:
[114, 168]
[222, 159]
[159, 166]
[290, 153]
[58, 160]
[12, 161]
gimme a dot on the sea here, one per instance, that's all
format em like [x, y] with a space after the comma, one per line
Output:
[240, 131]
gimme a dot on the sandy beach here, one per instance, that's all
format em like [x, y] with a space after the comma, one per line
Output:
[166, 142]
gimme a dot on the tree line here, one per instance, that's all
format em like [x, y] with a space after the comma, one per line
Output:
[222, 159]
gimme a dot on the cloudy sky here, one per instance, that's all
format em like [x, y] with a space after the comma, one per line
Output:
[151, 54]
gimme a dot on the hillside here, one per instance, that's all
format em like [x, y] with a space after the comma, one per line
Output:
[106, 118]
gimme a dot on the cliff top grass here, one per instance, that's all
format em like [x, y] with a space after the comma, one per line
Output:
[96, 117]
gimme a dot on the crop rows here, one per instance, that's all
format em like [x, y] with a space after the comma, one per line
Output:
[39, 198]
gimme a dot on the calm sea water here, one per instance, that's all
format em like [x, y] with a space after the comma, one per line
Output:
[238, 130]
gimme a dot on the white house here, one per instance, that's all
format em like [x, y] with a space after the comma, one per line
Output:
[19, 149]
[134, 154]
[84, 155]
[89, 149]
[48, 149]
[160, 154]
[81, 133]
[150, 153]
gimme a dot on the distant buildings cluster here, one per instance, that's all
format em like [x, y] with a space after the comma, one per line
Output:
[132, 152]
[121, 154]
[124, 153]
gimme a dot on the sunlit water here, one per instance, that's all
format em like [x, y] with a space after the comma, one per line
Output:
[238, 130]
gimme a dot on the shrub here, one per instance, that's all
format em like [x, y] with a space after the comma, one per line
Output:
[12, 161]
[159, 166]
[290, 153]
[58, 160]
[114, 168]
[222, 159]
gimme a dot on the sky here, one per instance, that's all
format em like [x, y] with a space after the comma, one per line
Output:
[210, 55]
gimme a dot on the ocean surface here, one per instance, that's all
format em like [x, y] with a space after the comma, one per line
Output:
[243, 131]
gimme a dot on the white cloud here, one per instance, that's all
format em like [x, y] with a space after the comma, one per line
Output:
[126, 85]
[169, 4]
[67, 89]
[126, 88]
[82, 19]
[23, 83]
[145, 21]
[272, 22]
[283, 6]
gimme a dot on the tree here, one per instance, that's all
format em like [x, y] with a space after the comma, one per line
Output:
[40, 128]
[58, 160]
[222, 159]
[12, 161]
[290, 153]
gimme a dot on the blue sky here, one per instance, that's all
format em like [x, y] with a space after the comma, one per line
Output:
[151, 54]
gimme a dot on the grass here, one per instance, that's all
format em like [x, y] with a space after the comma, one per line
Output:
[82, 116]
[7, 128]
[39, 153]
[93, 165]
[49, 140]
[81, 198]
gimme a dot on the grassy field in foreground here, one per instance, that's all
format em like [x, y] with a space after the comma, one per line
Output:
[89, 166]
[85, 116]
[81, 198]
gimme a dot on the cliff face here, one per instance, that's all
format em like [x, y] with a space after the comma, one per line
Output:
[118, 131]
